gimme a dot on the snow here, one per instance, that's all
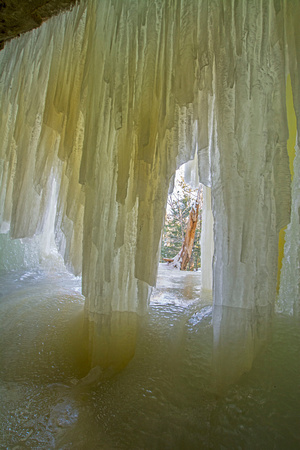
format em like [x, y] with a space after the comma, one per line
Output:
[110, 98]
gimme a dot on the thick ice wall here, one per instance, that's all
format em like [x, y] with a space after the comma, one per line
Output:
[109, 99]
[250, 178]
[39, 78]
[289, 292]
[250, 159]
[289, 295]
[207, 241]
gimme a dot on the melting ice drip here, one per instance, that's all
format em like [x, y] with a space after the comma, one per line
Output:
[111, 98]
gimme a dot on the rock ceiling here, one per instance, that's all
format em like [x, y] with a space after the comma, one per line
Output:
[20, 16]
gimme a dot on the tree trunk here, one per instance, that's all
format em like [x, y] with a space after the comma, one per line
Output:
[182, 258]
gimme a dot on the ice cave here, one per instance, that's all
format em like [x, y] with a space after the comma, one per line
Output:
[100, 105]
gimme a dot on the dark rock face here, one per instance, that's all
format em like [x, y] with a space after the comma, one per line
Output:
[19, 16]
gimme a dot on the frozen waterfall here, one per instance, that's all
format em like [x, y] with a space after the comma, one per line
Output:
[107, 101]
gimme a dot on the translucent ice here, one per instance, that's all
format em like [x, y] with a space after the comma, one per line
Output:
[109, 99]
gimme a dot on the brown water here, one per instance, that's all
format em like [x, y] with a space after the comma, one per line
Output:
[163, 399]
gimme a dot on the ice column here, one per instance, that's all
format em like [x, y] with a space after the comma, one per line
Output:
[250, 179]
[207, 241]
[289, 294]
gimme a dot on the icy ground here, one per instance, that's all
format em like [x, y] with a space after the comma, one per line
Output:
[164, 399]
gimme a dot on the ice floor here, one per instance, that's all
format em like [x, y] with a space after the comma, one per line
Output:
[164, 399]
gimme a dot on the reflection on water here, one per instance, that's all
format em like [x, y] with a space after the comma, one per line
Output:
[163, 399]
[112, 339]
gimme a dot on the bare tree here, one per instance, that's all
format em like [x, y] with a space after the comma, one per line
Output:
[182, 258]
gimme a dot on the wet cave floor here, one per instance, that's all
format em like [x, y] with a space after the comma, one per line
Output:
[163, 399]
